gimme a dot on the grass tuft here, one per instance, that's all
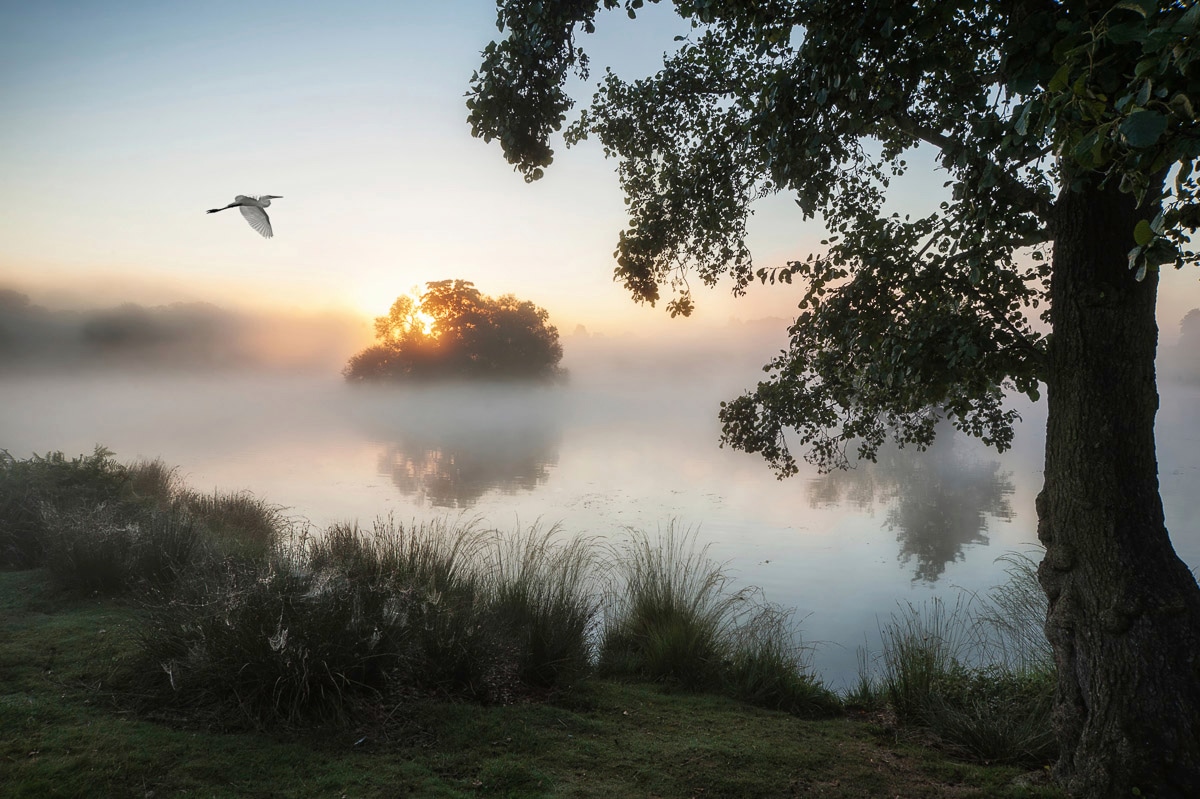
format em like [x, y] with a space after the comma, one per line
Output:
[975, 675]
[542, 593]
[671, 619]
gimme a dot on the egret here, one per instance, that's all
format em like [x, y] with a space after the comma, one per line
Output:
[252, 209]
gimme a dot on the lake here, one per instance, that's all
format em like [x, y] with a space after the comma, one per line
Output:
[624, 445]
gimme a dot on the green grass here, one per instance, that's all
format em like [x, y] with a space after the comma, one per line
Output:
[66, 733]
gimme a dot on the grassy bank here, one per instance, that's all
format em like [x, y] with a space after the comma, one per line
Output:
[67, 733]
[148, 626]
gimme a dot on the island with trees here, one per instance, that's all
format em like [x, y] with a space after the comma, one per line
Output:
[454, 331]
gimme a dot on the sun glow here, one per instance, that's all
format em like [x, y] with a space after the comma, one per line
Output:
[426, 322]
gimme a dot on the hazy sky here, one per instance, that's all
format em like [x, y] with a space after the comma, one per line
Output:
[124, 121]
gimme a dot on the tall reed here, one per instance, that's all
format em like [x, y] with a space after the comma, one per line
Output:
[106, 549]
[671, 617]
[239, 524]
[543, 592]
[668, 615]
[977, 674]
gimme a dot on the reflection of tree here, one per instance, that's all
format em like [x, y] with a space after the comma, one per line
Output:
[939, 500]
[449, 448]
[1182, 361]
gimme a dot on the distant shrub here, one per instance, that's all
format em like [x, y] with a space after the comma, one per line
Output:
[455, 331]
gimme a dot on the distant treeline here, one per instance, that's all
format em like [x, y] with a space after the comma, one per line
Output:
[178, 336]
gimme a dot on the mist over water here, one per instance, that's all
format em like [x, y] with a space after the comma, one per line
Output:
[630, 440]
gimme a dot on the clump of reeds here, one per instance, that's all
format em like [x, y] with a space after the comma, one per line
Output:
[671, 618]
[153, 481]
[543, 593]
[348, 614]
[106, 549]
[768, 666]
[669, 615]
[29, 487]
[268, 639]
[244, 608]
[239, 524]
[978, 675]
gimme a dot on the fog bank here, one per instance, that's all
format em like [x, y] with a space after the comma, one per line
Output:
[179, 337]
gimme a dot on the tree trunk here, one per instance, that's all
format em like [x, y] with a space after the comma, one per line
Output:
[1124, 616]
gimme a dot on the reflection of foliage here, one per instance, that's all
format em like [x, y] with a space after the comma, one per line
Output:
[943, 507]
[1182, 361]
[449, 449]
[453, 330]
[938, 500]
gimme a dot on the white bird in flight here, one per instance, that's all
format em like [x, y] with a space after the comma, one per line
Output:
[252, 209]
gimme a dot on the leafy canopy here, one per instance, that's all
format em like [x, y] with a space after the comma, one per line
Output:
[902, 320]
[453, 330]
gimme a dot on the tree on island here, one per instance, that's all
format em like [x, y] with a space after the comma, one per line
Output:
[454, 331]
[1064, 127]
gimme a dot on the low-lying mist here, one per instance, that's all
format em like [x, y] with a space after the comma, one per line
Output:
[178, 337]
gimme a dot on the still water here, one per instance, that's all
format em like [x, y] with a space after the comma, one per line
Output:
[605, 452]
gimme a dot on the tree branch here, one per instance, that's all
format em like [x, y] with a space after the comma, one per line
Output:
[1032, 199]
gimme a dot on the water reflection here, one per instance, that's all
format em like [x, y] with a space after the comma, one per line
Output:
[448, 448]
[938, 501]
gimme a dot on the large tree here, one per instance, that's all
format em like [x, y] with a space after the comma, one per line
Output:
[1067, 133]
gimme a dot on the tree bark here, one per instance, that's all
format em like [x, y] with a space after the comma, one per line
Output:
[1124, 616]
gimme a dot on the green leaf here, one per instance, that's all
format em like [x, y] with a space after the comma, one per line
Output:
[1142, 233]
[1135, 256]
[1143, 7]
[1146, 66]
[1126, 32]
[1023, 121]
[1143, 95]
[1190, 21]
[1181, 105]
[1143, 128]
[1060, 79]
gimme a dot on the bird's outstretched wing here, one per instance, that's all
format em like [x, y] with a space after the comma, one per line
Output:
[258, 219]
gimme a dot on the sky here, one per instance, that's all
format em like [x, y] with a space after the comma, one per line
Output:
[125, 121]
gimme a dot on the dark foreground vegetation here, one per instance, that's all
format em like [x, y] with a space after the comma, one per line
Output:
[156, 639]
